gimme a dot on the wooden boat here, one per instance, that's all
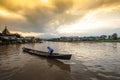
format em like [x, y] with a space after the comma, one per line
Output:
[46, 54]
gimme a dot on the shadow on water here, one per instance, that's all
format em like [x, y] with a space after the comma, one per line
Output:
[59, 64]
[54, 62]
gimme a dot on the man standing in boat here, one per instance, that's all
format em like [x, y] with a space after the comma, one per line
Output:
[50, 51]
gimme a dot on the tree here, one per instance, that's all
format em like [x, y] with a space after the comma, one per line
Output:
[103, 37]
[109, 36]
[114, 36]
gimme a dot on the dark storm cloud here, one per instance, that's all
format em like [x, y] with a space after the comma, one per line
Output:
[62, 5]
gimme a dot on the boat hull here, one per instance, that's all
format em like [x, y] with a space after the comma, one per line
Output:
[47, 55]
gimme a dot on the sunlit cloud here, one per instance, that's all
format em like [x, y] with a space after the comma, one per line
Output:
[7, 14]
[63, 17]
[45, 1]
[25, 34]
[94, 21]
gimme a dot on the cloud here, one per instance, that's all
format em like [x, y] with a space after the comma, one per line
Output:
[37, 18]
[100, 21]
[62, 5]
[40, 17]
[28, 33]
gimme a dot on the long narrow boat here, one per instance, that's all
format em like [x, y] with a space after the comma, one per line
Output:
[47, 55]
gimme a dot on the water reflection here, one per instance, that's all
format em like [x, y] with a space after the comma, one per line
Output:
[61, 65]
[54, 62]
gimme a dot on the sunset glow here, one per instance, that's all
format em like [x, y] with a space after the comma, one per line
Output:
[7, 14]
[61, 17]
[44, 1]
[90, 22]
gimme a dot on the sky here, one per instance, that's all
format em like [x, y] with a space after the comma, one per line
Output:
[55, 18]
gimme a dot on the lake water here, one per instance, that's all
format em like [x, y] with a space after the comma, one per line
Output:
[90, 61]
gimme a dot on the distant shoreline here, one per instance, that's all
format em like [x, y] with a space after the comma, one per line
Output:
[89, 41]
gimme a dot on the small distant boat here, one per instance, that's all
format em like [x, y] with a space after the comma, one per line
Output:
[46, 54]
